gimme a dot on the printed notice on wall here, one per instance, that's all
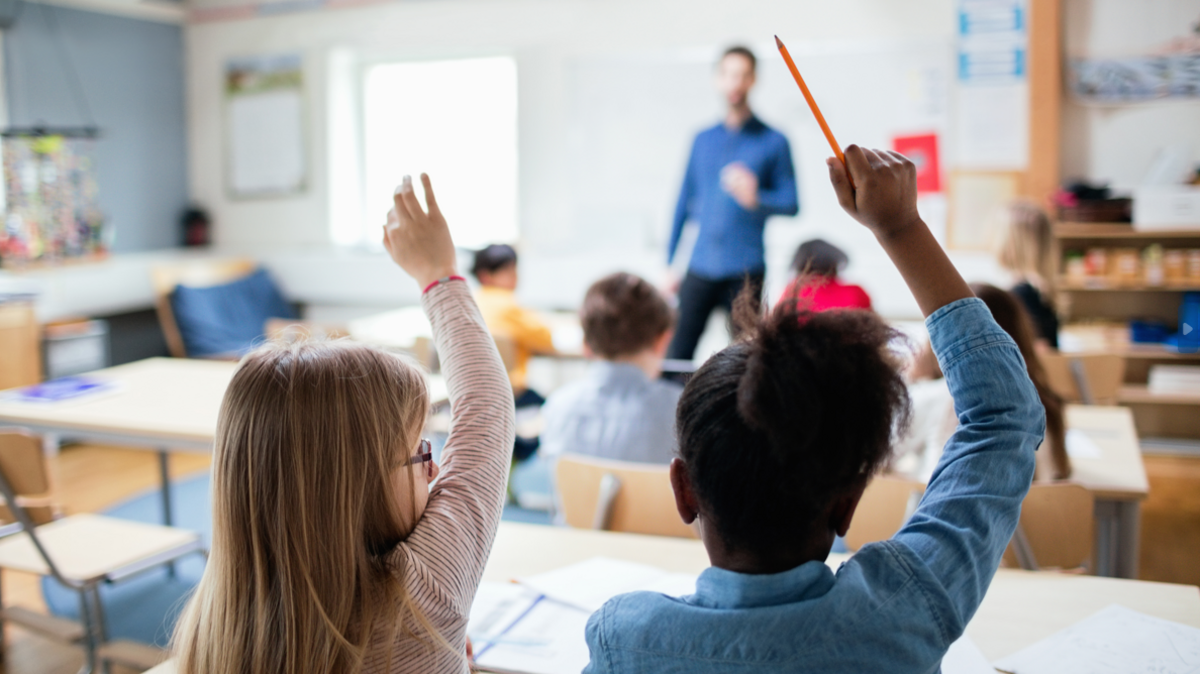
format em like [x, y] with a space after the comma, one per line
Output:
[265, 121]
[992, 130]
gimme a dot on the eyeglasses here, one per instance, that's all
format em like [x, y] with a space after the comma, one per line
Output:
[424, 456]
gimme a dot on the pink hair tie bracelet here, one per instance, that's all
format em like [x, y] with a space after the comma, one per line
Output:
[442, 280]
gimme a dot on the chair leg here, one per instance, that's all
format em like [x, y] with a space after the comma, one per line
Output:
[91, 647]
[101, 626]
[3, 631]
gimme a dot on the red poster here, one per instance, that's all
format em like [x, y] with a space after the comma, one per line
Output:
[923, 151]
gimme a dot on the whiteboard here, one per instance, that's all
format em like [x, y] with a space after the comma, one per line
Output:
[632, 118]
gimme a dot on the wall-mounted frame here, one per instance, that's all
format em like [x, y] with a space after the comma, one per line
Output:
[264, 121]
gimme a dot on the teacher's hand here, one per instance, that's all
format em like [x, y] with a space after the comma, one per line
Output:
[741, 183]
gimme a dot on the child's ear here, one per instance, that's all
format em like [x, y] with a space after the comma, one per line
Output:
[841, 513]
[663, 343]
[685, 497]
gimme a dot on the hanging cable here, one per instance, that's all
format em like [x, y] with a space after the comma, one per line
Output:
[50, 15]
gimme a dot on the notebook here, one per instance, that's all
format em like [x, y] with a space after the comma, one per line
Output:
[1115, 639]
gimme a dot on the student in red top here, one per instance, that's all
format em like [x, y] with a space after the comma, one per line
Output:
[816, 284]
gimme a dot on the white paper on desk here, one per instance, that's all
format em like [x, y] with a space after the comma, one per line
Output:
[964, 657]
[1080, 446]
[514, 629]
[1115, 639]
[588, 584]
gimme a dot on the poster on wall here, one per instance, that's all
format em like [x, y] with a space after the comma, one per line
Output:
[50, 201]
[265, 121]
[922, 150]
[992, 130]
[1138, 78]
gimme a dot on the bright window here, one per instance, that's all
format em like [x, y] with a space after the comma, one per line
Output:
[456, 121]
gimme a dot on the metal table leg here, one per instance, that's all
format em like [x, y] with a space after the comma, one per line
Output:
[1129, 544]
[164, 476]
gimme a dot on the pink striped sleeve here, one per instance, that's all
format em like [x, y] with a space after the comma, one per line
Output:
[444, 556]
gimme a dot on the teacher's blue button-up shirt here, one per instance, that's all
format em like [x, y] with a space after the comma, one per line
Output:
[730, 242]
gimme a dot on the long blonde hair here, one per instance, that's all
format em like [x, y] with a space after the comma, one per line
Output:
[1025, 245]
[304, 512]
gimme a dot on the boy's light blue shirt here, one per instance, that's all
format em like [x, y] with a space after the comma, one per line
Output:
[895, 606]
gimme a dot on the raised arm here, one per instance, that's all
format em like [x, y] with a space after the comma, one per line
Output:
[452, 539]
[973, 500]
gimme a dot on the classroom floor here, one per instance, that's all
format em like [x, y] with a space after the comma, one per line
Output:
[89, 478]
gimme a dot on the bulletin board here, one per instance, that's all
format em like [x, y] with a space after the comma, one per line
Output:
[50, 203]
[264, 104]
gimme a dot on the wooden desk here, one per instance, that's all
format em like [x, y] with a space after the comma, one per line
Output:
[1021, 607]
[162, 404]
[404, 328]
[1117, 478]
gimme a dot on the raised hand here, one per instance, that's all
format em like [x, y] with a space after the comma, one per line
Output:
[885, 200]
[418, 241]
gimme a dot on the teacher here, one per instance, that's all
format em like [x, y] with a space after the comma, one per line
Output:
[740, 171]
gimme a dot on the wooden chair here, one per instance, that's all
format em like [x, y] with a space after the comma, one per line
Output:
[886, 505]
[1056, 530]
[199, 273]
[1091, 379]
[80, 552]
[618, 496]
[290, 331]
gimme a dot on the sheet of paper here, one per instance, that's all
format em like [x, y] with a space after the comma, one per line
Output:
[588, 584]
[1080, 446]
[514, 629]
[1115, 639]
[964, 657]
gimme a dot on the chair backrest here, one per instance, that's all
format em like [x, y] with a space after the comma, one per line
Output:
[290, 331]
[1091, 379]
[1056, 530]
[618, 496]
[23, 464]
[199, 273]
[885, 506]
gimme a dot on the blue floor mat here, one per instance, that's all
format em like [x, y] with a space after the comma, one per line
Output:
[144, 608]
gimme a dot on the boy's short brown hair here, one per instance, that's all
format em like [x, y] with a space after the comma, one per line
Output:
[623, 315]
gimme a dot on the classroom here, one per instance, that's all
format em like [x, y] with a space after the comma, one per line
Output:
[557, 336]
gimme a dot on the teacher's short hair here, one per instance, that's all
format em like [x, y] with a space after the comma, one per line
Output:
[623, 315]
[739, 50]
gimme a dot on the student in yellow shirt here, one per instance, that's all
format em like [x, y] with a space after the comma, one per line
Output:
[496, 268]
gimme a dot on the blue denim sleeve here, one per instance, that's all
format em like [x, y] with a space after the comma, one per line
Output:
[973, 500]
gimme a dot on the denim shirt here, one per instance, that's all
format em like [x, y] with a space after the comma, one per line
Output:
[896, 605]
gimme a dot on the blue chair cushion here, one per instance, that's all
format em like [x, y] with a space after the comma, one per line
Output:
[229, 318]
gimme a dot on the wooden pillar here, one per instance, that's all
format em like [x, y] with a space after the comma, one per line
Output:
[1044, 61]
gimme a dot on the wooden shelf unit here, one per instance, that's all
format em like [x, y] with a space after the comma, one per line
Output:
[1082, 234]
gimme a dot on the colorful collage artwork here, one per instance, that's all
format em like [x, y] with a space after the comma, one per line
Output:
[50, 210]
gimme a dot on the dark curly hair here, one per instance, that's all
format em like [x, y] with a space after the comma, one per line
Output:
[798, 412]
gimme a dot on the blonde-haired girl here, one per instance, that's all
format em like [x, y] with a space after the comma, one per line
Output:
[1025, 246]
[331, 552]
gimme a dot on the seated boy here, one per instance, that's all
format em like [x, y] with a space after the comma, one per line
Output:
[496, 269]
[779, 435]
[621, 410]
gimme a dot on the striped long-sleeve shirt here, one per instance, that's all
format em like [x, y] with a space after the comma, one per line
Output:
[442, 560]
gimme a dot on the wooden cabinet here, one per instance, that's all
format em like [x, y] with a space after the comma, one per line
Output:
[20, 347]
[1167, 424]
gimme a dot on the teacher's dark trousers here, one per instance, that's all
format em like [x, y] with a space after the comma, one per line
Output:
[698, 296]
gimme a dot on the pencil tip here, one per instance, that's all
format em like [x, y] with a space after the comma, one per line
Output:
[778, 43]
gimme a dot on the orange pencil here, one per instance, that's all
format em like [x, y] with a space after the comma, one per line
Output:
[812, 104]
